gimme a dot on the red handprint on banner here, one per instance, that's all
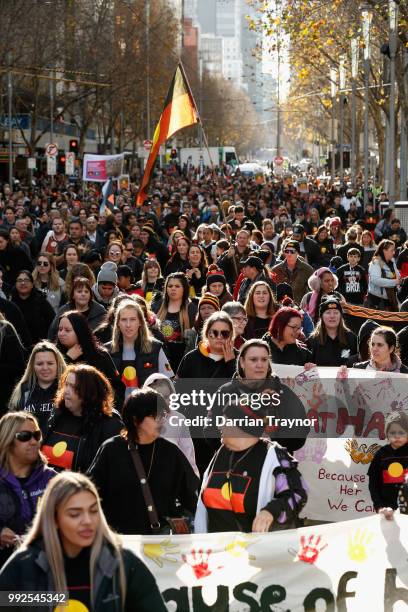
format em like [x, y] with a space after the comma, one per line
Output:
[198, 561]
[310, 549]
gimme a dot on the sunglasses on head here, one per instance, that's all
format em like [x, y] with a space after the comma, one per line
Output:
[224, 333]
[25, 435]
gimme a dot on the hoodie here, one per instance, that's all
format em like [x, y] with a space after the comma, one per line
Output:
[364, 334]
[104, 301]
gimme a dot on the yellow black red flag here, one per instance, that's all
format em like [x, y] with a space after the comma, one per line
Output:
[179, 111]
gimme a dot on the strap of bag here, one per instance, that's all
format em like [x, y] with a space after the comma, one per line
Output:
[147, 494]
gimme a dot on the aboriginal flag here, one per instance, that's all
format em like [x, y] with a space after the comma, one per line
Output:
[226, 494]
[179, 111]
[395, 473]
[108, 201]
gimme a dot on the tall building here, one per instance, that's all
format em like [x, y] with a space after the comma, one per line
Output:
[222, 19]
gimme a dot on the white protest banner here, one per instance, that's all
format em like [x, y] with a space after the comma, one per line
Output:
[350, 429]
[355, 566]
[98, 168]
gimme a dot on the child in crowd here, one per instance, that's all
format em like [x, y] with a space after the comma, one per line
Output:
[389, 467]
[352, 278]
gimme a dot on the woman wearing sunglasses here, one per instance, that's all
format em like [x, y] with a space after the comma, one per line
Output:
[36, 310]
[23, 477]
[71, 549]
[214, 358]
[47, 279]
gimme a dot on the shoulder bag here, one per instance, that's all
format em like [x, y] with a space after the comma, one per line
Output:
[176, 525]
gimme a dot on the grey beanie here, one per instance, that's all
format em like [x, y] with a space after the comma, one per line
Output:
[107, 273]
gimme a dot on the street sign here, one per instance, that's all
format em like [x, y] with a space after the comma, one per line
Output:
[278, 160]
[147, 144]
[69, 163]
[52, 165]
[51, 149]
[31, 163]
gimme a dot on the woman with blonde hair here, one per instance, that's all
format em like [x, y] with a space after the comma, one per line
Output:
[134, 351]
[47, 279]
[71, 549]
[260, 306]
[23, 477]
[36, 389]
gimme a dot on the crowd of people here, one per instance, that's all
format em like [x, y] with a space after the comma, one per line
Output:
[105, 314]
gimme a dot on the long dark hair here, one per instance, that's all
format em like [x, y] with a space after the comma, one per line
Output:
[93, 388]
[86, 338]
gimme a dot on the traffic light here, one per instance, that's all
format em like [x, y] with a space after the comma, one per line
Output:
[61, 163]
[73, 146]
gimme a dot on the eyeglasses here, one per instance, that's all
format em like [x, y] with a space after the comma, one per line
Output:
[215, 333]
[43, 263]
[290, 251]
[26, 435]
[23, 280]
[295, 327]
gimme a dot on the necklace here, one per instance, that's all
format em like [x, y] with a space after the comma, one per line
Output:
[231, 467]
[151, 461]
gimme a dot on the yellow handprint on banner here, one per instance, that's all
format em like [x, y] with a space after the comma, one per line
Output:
[357, 545]
[161, 551]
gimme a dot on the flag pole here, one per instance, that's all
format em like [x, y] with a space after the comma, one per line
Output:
[183, 72]
[215, 176]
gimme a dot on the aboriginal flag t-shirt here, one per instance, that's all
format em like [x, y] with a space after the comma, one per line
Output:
[77, 571]
[231, 502]
[62, 441]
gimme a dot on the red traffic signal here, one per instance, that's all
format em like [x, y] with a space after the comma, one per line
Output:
[73, 145]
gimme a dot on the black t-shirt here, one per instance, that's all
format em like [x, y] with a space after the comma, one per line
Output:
[61, 442]
[77, 573]
[231, 502]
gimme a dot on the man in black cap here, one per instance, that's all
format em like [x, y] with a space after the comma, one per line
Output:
[254, 271]
[309, 249]
[293, 270]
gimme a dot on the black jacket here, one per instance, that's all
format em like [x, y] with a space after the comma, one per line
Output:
[332, 353]
[196, 364]
[89, 441]
[363, 365]
[12, 364]
[171, 478]
[13, 260]
[94, 317]
[14, 315]
[383, 489]
[291, 354]
[29, 570]
[37, 312]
